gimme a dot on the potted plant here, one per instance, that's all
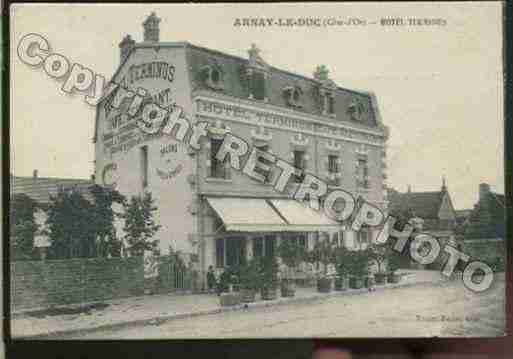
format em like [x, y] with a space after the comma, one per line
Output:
[228, 284]
[323, 253]
[291, 253]
[394, 262]
[358, 269]
[341, 259]
[269, 279]
[249, 280]
[378, 253]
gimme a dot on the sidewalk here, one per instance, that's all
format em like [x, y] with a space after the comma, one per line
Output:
[154, 309]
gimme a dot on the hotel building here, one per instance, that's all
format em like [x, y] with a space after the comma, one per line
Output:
[211, 213]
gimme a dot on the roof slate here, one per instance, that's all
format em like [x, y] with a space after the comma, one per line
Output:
[425, 205]
[233, 69]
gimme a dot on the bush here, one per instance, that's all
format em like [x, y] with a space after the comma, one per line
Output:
[359, 263]
[250, 275]
[342, 258]
[269, 273]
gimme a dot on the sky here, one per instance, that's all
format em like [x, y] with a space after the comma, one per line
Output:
[439, 88]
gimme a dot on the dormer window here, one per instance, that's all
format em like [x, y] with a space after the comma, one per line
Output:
[212, 77]
[355, 110]
[257, 85]
[293, 95]
[327, 103]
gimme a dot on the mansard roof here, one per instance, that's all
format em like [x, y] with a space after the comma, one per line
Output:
[235, 85]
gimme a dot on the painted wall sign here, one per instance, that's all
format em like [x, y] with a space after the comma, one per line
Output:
[168, 148]
[149, 70]
[168, 174]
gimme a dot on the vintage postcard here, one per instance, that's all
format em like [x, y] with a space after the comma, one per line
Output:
[256, 171]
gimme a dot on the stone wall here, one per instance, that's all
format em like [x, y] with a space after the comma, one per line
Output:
[37, 284]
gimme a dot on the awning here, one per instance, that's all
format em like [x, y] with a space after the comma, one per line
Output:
[303, 218]
[247, 214]
[261, 215]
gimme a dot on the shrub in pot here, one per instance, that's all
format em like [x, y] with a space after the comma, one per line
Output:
[394, 262]
[378, 254]
[323, 253]
[342, 265]
[291, 253]
[269, 278]
[249, 280]
[358, 269]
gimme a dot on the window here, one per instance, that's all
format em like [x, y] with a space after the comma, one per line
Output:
[362, 174]
[270, 245]
[258, 247]
[333, 164]
[257, 87]
[266, 174]
[220, 252]
[235, 251]
[331, 105]
[299, 162]
[302, 240]
[363, 237]
[341, 238]
[144, 166]
[217, 168]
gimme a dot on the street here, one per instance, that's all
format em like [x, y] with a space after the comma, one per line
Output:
[439, 309]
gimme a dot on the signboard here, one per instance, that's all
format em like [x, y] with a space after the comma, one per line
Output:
[259, 118]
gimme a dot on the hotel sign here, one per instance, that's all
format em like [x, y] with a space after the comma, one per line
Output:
[272, 120]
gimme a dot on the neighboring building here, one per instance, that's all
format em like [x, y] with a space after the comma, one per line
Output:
[216, 214]
[462, 220]
[432, 211]
[484, 233]
[41, 188]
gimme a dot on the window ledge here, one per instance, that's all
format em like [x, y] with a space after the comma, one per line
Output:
[218, 180]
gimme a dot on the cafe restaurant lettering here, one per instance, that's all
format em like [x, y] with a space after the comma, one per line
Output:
[212, 214]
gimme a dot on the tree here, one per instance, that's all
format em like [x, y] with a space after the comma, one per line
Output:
[71, 223]
[103, 217]
[23, 226]
[291, 252]
[323, 253]
[140, 227]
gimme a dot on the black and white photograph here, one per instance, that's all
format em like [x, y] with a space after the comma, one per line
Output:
[281, 170]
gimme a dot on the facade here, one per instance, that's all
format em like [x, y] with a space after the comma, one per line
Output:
[429, 212]
[216, 215]
[432, 212]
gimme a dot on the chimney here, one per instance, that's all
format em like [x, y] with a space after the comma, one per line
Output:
[125, 46]
[34, 174]
[484, 189]
[151, 28]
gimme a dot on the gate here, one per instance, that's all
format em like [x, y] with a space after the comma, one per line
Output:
[174, 276]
